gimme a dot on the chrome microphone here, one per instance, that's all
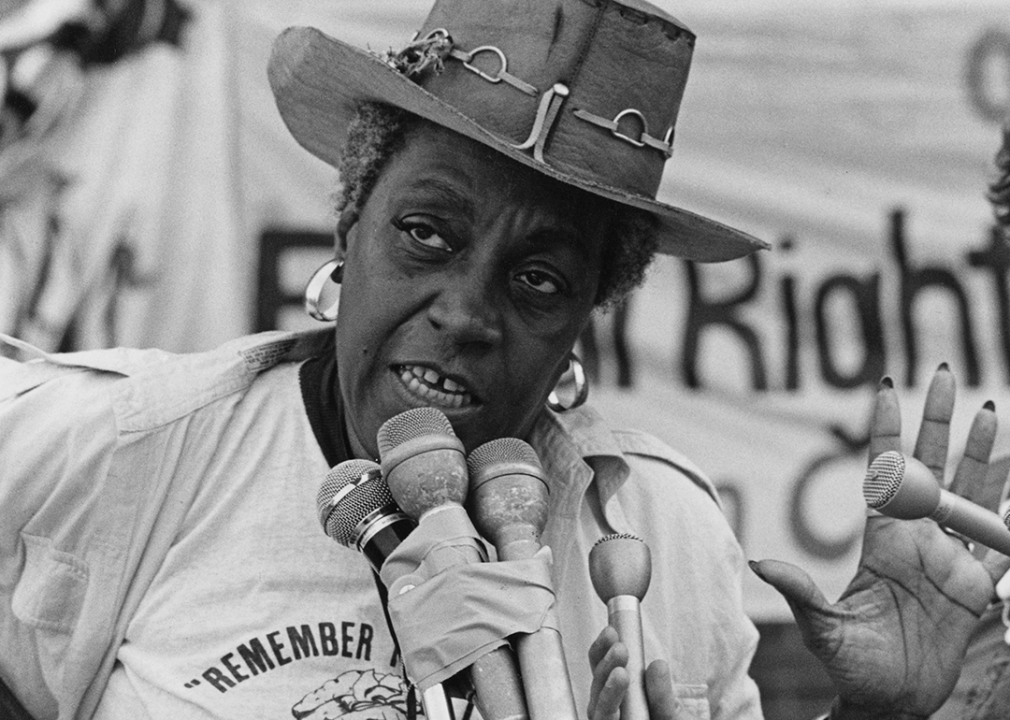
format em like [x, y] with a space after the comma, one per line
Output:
[902, 487]
[425, 467]
[620, 567]
[508, 502]
[357, 510]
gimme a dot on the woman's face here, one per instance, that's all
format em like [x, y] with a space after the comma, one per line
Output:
[467, 279]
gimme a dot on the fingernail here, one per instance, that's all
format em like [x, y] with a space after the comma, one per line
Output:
[754, 566]
[885, 382]
[944, 367]
[989, 405]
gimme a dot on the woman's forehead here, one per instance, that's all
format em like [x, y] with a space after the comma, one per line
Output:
[440, 164]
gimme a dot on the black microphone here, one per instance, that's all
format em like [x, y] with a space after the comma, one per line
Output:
[620, 566]
[425, 467]
[902, 487]
[356, 509]
[508, 502]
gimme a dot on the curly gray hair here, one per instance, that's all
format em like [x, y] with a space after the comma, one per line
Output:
[377, 132]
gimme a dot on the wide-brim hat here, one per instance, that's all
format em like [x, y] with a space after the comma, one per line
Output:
[584, 91]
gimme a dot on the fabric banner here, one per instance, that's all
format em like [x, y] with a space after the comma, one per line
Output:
[169, 207]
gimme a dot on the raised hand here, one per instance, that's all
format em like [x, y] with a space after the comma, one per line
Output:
[894, 642]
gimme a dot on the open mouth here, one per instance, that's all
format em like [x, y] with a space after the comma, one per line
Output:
[433, 388]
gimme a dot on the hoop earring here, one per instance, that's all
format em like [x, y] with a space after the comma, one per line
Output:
[330, 270]
[578, 379]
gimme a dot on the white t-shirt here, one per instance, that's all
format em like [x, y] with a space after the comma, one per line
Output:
[303, 636]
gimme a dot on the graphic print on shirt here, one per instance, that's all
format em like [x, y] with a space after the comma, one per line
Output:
[356, 695]
[360, 693]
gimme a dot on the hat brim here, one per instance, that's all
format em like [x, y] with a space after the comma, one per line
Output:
[319, 81]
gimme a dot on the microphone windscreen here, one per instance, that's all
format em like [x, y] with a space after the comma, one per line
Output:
[883, 479]
[412, 424]
[502, 450]
[620, 564]
[351, 491]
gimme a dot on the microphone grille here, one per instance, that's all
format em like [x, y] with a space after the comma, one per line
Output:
[340, 519]
[883, 478]
[502, 450]
[412, 424]
[617, 536]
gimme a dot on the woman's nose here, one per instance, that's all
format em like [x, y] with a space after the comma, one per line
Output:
[467, 311]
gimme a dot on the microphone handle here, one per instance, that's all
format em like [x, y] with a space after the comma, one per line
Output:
[545, 675]
[625, 616]
[495, 675]
[972, 521]
[376, 540]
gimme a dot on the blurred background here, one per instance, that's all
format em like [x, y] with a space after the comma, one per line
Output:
[150, 196]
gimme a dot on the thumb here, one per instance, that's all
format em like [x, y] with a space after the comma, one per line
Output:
[811, 609]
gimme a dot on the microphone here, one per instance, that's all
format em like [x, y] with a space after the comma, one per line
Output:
[425, 468]
[620, 567]
[356, 509]
[902, 487]
[508, 502]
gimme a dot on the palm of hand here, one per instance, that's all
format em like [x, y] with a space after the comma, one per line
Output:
[894, 642]
[897, 636]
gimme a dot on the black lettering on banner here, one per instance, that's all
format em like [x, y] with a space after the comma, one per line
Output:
[790, 311]
[278, 648]
[804, 533]
[915, 280]
[865, 296]
[303, 644]
[705, 312]
[991, 48]
[255, 657]
[996, 258]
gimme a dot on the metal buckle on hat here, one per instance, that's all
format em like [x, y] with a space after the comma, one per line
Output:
[503, 74]
[547, 113]
[665, 145]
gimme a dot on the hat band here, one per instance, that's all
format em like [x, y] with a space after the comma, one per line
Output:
[665, 145]
[502, 74]
[433, 49]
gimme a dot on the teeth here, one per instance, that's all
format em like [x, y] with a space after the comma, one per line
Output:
[428, 384]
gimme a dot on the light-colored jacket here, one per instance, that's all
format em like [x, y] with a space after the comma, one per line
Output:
[92, 492]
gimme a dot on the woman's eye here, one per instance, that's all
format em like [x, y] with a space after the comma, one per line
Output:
[424, 234]
[539, 281]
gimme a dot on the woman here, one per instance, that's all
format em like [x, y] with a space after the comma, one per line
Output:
[160, 549]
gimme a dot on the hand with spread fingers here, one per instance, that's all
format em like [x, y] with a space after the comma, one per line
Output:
[894, 642]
